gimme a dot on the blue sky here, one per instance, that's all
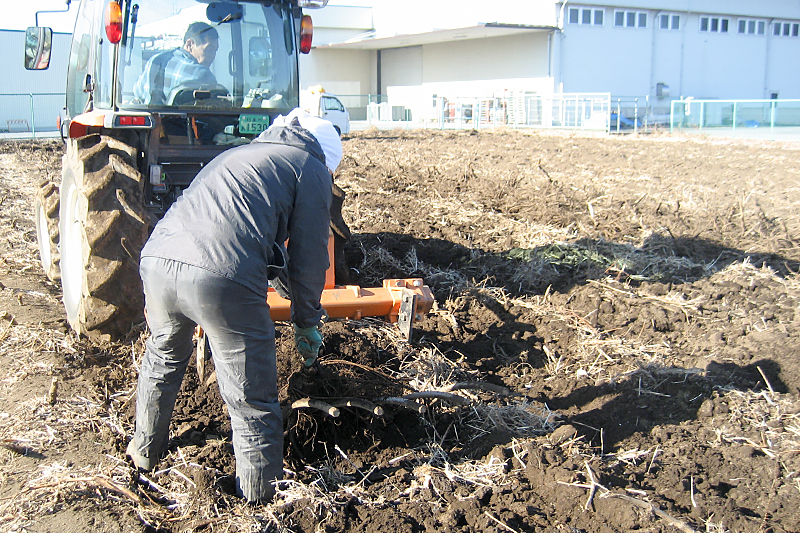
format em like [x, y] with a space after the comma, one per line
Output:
[18, 15]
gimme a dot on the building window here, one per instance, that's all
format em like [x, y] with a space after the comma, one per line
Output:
[630, 19]
[714, 24]
[752, 27]
[785, 29]
[585, 15]
[669, 22]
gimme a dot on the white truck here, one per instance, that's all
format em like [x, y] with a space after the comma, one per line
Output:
[326, 105]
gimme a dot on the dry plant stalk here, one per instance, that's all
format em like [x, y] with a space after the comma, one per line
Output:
[593, 486]
[768, 422]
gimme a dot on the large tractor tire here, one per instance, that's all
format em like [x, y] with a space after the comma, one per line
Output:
[45, 207]
[103, 226]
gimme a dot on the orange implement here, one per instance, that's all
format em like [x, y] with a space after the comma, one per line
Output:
[404, 300]
[401, 301]
[352, 301]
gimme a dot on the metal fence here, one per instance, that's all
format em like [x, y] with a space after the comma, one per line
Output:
[35, 113]
[31, 114]
[751, 119]
[359, 104]
[568, 111]
[585, 111]
[26, 115]
[638, 114]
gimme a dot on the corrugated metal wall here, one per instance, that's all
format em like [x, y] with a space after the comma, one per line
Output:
[23, 110]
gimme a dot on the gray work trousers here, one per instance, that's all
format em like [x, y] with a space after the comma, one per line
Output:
[242, 339]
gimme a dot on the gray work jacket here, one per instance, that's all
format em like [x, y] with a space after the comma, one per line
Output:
[243, 202]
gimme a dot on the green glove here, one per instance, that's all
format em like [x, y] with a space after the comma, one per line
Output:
[308, 342]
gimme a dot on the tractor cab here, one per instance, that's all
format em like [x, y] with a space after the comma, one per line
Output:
[191, 78]
[177, 56]
[232, 60]
[235, 61]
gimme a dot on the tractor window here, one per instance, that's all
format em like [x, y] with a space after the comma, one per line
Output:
[190, 55]
[79, 56]
[104, 63]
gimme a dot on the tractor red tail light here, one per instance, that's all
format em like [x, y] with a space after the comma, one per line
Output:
[114, 22]
[306, 33]
[125, 120]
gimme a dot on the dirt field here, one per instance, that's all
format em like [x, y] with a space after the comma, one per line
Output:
[623, 310]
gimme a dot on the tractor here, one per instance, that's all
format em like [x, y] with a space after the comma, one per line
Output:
[137, 132]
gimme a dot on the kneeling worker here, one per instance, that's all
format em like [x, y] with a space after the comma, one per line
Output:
[208, 262]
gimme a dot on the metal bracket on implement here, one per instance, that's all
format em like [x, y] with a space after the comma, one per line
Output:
[406, 317]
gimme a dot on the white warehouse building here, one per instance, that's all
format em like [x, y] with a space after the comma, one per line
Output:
[657, 50]
[413, 55]
[31, 101]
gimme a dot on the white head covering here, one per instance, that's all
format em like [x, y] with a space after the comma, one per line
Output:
[322, 130]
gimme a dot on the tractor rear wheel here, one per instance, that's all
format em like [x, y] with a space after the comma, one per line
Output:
[103, 227]
[45, 207]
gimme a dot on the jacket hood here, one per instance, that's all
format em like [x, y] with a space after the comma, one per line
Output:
[292, 135]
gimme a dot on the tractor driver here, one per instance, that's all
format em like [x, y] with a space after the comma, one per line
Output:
[186, 66]
[208, 262]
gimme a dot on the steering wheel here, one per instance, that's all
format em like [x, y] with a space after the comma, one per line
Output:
[202, 96]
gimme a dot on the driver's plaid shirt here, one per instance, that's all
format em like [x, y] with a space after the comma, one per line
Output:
[168, 70]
